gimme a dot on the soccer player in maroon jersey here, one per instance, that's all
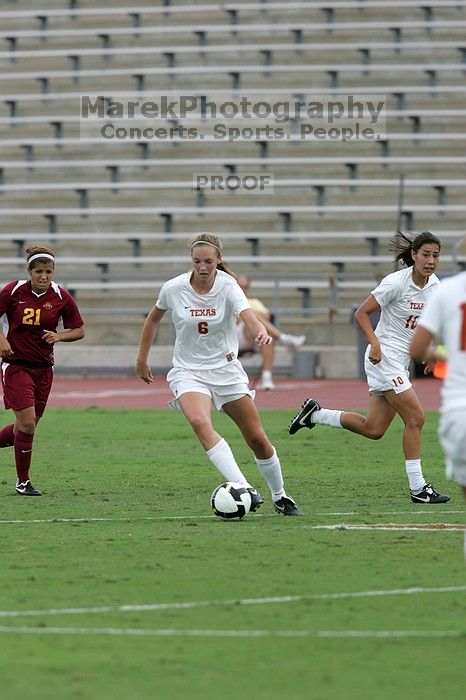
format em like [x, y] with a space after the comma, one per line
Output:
[31, 311]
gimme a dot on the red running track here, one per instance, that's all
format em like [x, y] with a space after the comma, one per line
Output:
[129, 392]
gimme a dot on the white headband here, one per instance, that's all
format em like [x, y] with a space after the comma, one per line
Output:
[206, 243]
[40, 255]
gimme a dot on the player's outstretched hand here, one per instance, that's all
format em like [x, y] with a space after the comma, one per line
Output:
[5, 348]
[143, 372]
[375, 353]
[263, 338]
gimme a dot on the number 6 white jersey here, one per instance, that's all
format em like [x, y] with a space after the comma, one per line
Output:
[205, 324]
[402, 303]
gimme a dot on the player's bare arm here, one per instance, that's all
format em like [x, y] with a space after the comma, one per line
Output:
[5, 348]
[362, 318]
[255, 328]
[66, 336]
[149, 332]
[422, 348]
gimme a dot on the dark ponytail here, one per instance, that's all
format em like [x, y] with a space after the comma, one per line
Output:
[403, 246]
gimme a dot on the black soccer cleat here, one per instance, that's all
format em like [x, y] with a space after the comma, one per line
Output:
[286, 506]
[25, 488]
[303, 418]
[256, 499]
[428, 495]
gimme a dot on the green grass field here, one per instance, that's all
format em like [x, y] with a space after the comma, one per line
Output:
[118, 584]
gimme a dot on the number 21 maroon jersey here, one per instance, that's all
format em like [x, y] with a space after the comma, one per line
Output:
[26, 315]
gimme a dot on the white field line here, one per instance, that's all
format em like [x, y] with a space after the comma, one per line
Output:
[189, 605]
[157, 518]
[396, 527]
[170, 632]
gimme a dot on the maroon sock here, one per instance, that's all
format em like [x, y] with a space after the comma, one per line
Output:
[23, 454]
[7, 436]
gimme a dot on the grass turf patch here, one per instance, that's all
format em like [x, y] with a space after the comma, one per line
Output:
[125, 521]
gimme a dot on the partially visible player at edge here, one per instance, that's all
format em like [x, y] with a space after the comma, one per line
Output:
[204, 303]
[445, 319]
[31, 311]
[400, 297]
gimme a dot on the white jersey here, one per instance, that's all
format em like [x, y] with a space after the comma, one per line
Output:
[402, 303]
[445, 317]
[205, 324]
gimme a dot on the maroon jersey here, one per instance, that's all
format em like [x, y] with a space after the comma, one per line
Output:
[27, 315]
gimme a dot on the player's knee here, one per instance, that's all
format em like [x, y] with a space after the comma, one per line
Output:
[27, 426]
[258, 442]
[375, 433]
[199, 424]
[416, 421]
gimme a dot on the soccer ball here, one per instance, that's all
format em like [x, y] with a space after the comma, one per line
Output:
[231, 501]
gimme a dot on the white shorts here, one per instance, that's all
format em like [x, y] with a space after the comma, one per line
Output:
[390, 374]
[223, 385]
[452, 434]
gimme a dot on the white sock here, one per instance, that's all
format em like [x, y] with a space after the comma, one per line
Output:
[267, 375]
[272, 472]
[415, 475]
[327, 416]
[222, 457]
[294, 341]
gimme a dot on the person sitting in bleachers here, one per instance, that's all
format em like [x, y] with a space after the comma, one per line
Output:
[247, 345]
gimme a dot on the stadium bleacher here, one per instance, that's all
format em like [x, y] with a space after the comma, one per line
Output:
[118, 214]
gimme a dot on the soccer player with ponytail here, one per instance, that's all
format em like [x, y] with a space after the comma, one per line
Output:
[204, 304]
[31, 310]
[400, 298]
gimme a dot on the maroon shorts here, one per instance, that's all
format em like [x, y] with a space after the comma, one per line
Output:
[26, 386]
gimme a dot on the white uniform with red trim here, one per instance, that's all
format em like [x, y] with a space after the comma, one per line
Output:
[445, 318]
[206, 345]
[402, 303]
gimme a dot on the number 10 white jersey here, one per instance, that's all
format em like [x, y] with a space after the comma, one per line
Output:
[402, 303]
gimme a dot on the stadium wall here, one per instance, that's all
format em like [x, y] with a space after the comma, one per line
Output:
[309, 361]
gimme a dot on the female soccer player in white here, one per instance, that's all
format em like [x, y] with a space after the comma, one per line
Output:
[445, 319]
[400, 297]
[204, 303]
